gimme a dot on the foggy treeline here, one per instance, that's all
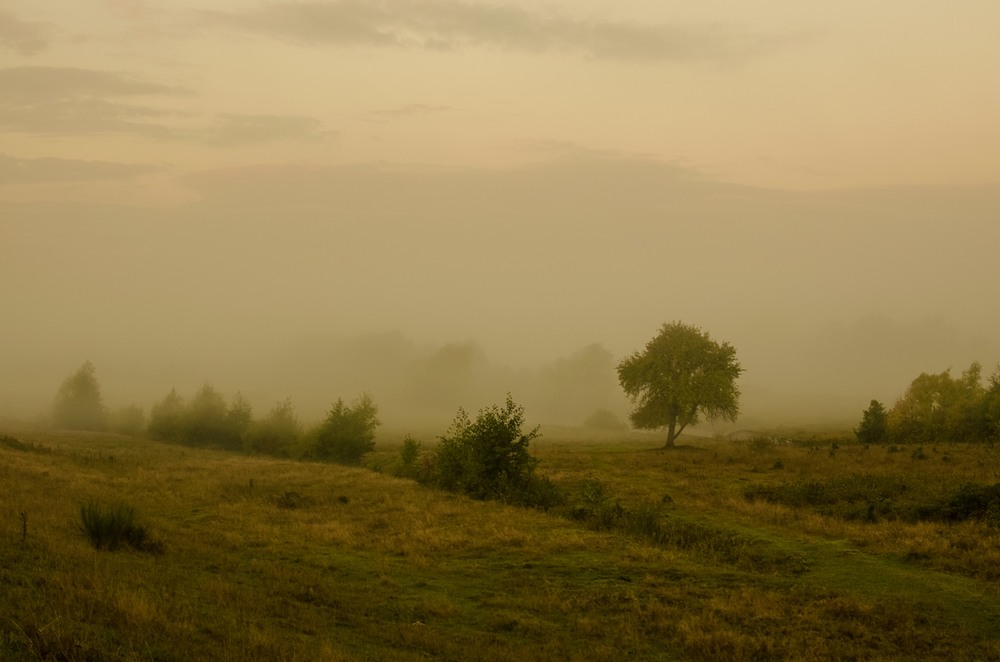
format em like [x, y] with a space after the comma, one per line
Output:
[795, 374]
[423, 385]
[416, 386]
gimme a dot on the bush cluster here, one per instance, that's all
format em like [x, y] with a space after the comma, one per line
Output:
[207, 420]
[873, 498]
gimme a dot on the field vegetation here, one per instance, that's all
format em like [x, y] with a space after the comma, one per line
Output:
[781, 547]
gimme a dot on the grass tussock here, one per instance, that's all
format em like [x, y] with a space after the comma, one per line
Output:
[114, 526]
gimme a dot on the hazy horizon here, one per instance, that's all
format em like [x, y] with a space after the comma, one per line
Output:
[241, 193]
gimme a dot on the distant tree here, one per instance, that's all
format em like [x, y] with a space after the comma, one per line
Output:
[239, 420]
[682, 375]
[205, 418]
[78, 404]
[277, 433]
[571, 386]
[488, 458]
[348, 432]
[873, 427]
[166, 418]
[604, 419]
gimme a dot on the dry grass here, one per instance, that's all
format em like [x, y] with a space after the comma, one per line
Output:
[272, 559]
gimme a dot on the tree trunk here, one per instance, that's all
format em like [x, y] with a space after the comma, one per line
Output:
[671, 434]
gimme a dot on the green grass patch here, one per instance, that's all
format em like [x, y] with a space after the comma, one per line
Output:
[276, 559]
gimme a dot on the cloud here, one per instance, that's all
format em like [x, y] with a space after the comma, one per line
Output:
[51, 170]
[231, 129]
[30, 85]
[24, 37]
[70, 100]
[450, 25]
[74, 101]
[407, 111]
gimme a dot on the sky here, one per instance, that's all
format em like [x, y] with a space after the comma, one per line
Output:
[191, 191]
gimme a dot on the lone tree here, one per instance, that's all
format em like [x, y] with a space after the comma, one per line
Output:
[78, 404]
[681, 375]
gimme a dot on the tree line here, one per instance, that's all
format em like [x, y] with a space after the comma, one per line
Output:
[207, 419]
[938, 407]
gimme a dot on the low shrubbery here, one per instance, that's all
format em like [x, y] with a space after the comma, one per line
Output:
[967, 502]
[650, 521]
[871, 498]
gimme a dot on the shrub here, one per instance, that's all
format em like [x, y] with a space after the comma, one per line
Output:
[970, 501]
[348, 433]
[488, 458]
[113, 527]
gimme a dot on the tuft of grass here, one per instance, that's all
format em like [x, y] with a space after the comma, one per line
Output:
[114, 527]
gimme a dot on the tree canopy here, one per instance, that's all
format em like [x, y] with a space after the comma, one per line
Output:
[681, 376]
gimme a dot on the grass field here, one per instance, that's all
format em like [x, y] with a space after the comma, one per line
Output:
[718, 550]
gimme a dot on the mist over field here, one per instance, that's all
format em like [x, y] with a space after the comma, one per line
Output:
[456, 287]
[447, 203]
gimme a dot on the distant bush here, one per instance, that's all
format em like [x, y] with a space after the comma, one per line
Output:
[113, 527]
[873, 498]
[488, 459]
[969, 501]
[348, 432]
[604, 419]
